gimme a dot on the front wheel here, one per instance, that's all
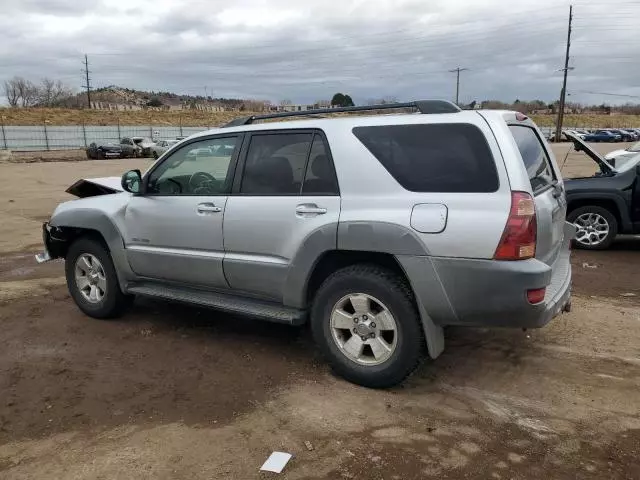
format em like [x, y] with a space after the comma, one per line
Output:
[365, 321]
[92, 281]
[596, 227]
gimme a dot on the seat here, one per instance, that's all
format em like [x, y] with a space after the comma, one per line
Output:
[269, 175]
[324, 181]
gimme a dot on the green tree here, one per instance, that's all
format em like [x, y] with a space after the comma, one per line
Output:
[154, 102]
[337, 100]
[348, 102]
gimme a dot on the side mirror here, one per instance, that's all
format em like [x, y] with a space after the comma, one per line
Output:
[132, 181]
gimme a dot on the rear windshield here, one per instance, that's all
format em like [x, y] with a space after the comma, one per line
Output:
[433, 158]
[534, 156]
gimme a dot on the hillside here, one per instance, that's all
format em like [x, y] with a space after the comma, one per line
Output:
[199, 118]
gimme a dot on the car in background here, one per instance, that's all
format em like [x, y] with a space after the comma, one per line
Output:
[603, 136]
[141, 144]
[633, 133]
[616, 157]
[574, 132]
[605, 204]
[624, 135]
[100, 151]
[162, 146]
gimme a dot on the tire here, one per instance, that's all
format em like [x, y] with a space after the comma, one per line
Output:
[99, 155]
[604, 216]
[155, 154]
[113, 302]
[393, 294]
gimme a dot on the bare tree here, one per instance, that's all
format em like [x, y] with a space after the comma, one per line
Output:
[11, 92]
[286, 102]
[27, 91]
[51, 93]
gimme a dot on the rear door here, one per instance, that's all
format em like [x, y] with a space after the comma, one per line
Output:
[548, 190]
[285, 191]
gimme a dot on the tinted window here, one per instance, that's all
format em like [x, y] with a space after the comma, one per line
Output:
[433, 158]
[320, 178]
[275, 163]
[534, 156]
[198, 168]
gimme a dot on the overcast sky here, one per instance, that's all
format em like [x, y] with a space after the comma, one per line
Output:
[306, 50]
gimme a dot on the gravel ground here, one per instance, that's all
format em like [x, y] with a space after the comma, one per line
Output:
[172, 392]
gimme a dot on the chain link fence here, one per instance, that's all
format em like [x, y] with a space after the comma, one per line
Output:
[47, 137]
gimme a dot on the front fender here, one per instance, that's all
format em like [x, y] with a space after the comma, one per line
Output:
[104, 215]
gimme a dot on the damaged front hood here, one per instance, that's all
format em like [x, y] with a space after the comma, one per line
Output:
[92, 187]
[580, 146]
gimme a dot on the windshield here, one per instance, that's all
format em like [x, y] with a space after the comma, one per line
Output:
[634, 148]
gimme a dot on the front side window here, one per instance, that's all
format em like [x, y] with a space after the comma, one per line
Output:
[198, 168]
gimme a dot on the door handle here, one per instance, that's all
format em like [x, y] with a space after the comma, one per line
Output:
[310, 208]
[208, 208]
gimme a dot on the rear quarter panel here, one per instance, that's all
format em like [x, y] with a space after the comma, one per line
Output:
[371, 196]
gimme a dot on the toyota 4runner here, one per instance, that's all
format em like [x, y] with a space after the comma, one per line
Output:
[377, 230]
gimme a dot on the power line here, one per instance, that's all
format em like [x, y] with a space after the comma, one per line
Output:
[609, 94]
[88, 80]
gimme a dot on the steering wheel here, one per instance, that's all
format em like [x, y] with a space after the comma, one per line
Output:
[200, 182]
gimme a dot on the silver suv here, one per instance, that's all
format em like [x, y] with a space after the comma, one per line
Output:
[378, 230]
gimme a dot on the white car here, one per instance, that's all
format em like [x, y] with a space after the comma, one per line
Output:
[162, 146]
[619, 156]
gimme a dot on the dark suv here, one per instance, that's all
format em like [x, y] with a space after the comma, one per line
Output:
[606, 204]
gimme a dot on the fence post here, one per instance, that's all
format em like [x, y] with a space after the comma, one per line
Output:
[46, 135]
[119, 136]
[84, 134]
[180, 118]
[4, 135]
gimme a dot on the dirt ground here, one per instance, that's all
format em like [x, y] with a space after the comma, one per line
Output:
[171, 392]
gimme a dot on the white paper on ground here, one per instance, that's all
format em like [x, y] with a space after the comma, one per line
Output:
[276, 462]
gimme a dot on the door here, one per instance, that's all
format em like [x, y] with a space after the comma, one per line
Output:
[287, 191]
[548, 192]
[174, 230]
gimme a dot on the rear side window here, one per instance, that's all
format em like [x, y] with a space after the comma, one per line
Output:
[534, 156]
[433, 158]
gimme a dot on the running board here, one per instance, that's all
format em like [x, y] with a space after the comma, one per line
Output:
[234, 304]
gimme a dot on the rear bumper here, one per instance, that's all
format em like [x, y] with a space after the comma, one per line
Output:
[490, 293]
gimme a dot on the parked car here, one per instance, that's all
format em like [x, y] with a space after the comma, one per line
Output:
[606, 204]
[635, 135]
[378, 230]
[624, 135]
[603, 136]
[574, 132]
[616, 157]
[142, 144]
[162, 146]
[101, 151]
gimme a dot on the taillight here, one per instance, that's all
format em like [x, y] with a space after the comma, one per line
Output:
[518, 240]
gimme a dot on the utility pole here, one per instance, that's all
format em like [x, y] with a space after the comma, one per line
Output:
[457, 72]
[566, 69]
[88, 80]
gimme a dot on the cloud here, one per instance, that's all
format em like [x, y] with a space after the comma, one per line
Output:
[305, 51]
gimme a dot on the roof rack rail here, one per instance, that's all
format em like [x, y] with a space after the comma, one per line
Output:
[422, 106]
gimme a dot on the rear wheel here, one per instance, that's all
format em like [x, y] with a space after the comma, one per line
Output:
[596, 227]
[364, 320]
[92, 281]
[155, 154]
